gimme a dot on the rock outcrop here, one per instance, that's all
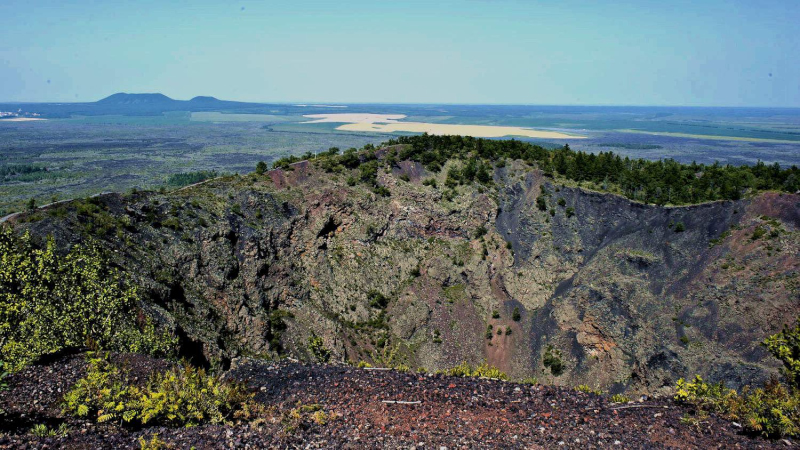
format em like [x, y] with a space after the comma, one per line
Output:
[628, 296]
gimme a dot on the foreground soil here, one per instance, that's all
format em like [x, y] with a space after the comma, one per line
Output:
[360, 412]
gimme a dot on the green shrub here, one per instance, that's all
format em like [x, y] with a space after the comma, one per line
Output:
[377, 300]
[619, 398]
[317, 348]
[261, 167]
[679, 227]
[430, 182]
[552, 361]
[758, 233]
[495, 314]
[586, 389]
[516, 316]
[569, 212]
[484, 370]
[480, 232]
[786, 347]
[562, 202]
[50, 301]
[771, 411]
[176, 397]
[541, 203]
[43, 431]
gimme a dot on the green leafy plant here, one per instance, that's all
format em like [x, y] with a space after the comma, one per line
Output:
[515, 315]
[620, 398]
[176, 397]
[786, 347]
[773, 410]
[484, 370]
[552, 361]
[155, 443]
[316, 346]
[50, 301]
[43, 431]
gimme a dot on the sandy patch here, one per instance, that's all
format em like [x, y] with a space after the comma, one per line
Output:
[354, 118]
[390, 123]
[22, 119]
[442, 129]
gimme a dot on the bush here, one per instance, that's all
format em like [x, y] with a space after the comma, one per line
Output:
[261, 167]
[49, 302]
[587, 390]
[541, 203]
[786, 347]
[562, 202]
[679, 227]
[619, 398]
[177, 397]
[317, 348]
[480, 232]
[570, 212]
[377, 300]
[516, 316]
[484, 370]
[552, 361]
[772, 411]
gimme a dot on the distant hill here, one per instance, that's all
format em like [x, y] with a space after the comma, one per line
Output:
[144, 104]
[138, 99]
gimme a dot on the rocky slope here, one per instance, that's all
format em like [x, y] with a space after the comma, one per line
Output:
[629, 297]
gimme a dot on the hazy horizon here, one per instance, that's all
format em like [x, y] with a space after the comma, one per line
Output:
[508, 52]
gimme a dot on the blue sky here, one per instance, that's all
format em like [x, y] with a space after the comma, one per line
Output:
[717, 53]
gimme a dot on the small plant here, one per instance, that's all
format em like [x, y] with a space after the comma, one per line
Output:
[430, 182]
[530, 380]
[489, 331]
[155, 443]
[317, 348]
[619, 398]
[541, 203]
[480, 232]
[569, 212]
[758, 233]
[495, 314]
[43, 431]
[562, 202]
[176, 397]
[586, 389]
[552, 361]
[786, 347]
[377, 300]
[484, 370]
[508, 331]
[515, 315]
[303, 416]
[437, 337]
[679, 227]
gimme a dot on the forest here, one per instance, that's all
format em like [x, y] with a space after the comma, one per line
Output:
[660, 182]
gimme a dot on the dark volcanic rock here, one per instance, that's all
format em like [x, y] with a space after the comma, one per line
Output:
[633, 296]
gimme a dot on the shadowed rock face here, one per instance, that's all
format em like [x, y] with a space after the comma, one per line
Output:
[251, 266]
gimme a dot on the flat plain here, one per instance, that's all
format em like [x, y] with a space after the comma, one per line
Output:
[79, 152]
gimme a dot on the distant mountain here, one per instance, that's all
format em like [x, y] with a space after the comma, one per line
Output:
[204, 100]
[123, 98]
